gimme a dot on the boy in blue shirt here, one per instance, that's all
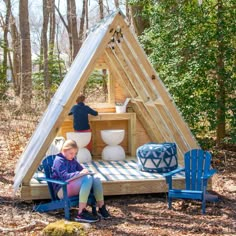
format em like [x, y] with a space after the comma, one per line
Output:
[80, 113]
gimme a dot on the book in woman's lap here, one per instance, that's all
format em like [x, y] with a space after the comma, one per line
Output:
[79, 175]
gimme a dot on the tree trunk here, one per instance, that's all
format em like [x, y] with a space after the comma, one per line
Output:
[81, 29]
[117, 4]
[127, 7]
[52, 26]
[139, 23]
[61, 17]
[3, 77]
[104, 71]
[108, 9]
[57, 40]
[16, 64]
[72, 27]
[26, 62]
[58, 54]
[86, 14]
[220, 95]
[101, 9]
[69, 26]
[104, 83]
[44, 44]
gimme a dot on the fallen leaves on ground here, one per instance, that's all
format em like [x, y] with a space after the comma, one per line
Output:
[137, 215]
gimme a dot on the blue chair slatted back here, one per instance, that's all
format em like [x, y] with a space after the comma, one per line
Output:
[47, 166]
[197, 164]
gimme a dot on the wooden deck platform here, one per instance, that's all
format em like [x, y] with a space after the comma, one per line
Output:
[118, 178]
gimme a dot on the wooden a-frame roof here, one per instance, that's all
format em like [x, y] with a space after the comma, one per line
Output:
[112, 39]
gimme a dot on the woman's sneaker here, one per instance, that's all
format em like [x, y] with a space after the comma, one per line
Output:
[87, 217]
[103, 213]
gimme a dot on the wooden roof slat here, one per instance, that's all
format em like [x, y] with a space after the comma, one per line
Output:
[144, 120]
[164, 124]
[180, 140]
[100, 65]
[133, 63]
[139, 88]
[160, 124]
[157, 83]
[152, 125]
[119, 73]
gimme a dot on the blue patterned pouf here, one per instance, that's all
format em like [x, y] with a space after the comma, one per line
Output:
[157, 157]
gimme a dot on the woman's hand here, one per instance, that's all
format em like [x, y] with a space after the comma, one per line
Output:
[84, 171]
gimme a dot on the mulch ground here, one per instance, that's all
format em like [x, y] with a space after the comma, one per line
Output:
[132, 214]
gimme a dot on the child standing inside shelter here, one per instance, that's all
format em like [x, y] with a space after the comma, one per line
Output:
[66, 167]
[80, 113]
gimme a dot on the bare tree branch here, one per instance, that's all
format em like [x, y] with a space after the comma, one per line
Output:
[62, 19]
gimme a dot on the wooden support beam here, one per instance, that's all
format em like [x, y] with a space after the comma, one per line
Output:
[147, 121]
[101, 66]
[160, 124]
[150, 102]
[162, 121]
[139, 88]
[132, 61]
[143, 121]
[131, 46]
[174, 114]
[180, 140]
[119, 73]
[111, 87]
[159, 101]
[149, 105]
[132, 135]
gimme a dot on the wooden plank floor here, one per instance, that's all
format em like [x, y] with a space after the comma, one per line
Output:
[118, 178]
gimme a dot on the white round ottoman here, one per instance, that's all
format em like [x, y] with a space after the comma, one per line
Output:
[82, 139]
[113, 151]
[157, 157]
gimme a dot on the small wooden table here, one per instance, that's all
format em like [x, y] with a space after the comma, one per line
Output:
[131, 117]
[67, 126]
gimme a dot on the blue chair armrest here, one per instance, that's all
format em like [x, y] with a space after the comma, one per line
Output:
[53, 181]
[173, 172]
[169, 175]
[209, 174]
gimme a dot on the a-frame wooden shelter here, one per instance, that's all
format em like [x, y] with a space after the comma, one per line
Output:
[110, 44]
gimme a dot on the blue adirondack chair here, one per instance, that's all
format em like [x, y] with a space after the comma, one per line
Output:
[197, 172]
[56, 203]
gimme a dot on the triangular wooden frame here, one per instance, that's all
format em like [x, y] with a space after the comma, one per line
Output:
[150, 100]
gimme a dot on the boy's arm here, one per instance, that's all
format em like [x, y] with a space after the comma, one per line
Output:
[71, 111]
[91, 111]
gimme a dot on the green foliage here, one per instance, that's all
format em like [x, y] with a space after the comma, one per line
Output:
[63, 228]
[96, 86]
[183, 45]
[4, 84]
[56, 69]
[95, 80]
